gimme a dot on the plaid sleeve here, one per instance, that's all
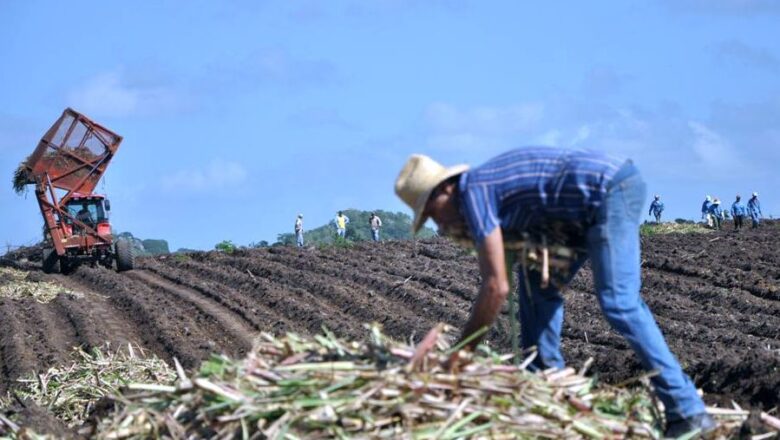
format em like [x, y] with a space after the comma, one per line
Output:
[479, 206]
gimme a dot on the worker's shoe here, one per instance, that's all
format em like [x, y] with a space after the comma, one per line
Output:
[702, 423]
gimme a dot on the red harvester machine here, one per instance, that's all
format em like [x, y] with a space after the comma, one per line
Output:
[66, 167]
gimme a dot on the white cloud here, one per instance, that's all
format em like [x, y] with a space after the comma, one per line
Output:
[663, 139]
[550, 137]
[714, 151]
[218, 175]
[110, 94]
[582, 135]
[453, 128]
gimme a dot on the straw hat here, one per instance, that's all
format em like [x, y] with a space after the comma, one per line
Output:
[417, 180]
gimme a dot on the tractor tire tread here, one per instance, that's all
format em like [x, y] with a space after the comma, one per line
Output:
[125, 260]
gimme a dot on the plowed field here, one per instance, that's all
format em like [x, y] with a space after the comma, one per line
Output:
[716, 297]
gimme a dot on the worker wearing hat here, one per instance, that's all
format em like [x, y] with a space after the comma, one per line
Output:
[705, 210]
[527, 190]
[656, 208]
[754, 210]
[716, 214]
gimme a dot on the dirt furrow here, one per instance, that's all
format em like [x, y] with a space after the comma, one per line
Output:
[252, 312]
[18, 343]
[385, 278]
[171, 328]
[363, 297]
[295, 304]
[237, 330]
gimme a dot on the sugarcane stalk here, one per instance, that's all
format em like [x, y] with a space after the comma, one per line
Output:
[510, 259]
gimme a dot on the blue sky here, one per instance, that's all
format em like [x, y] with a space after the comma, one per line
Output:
[237, 115]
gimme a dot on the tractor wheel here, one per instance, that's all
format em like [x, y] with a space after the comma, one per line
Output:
[51, 261]
[67, 265]
[125, 260]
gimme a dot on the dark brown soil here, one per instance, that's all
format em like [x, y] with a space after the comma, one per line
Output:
[35, 420]
[716, 297]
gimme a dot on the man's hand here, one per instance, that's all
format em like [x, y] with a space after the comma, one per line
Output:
[494, 289]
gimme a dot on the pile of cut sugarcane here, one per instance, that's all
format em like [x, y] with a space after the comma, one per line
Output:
[324, 387]
[71, 392]
[20, 178]
[16, 284]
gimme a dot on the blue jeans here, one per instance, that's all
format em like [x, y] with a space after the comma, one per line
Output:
[613, 247]
[755, 218]
[375, 234]
[341, 232]
[299, 238]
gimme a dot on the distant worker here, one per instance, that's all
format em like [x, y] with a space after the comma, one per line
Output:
[341, 221]
[738, 211]
[716, 215]
[656, 208]
[519, 198]
[375, 223]
[705, 211]
[754, 210]
[299, 230]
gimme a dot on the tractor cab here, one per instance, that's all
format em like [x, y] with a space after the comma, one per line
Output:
[90, 209]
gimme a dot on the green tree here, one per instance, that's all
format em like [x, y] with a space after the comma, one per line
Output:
[155, 247]
[226, 246]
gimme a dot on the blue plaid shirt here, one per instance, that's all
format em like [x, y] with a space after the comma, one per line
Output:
[526, 189]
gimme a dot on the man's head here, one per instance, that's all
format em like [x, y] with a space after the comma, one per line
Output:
[755, 194]
[443, 207]
[708, 198]
[300, 215]
[340, 214]
[430, 189]
[739, 197]
[716, 202]
[657, 197]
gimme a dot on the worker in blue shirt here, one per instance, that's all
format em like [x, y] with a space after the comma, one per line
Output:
[738, 212]
[716, 214]
[593, 203]
[705, 211]
[754, 210]
[656, 208]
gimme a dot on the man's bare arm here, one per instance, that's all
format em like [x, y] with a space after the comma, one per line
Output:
[494, 289]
